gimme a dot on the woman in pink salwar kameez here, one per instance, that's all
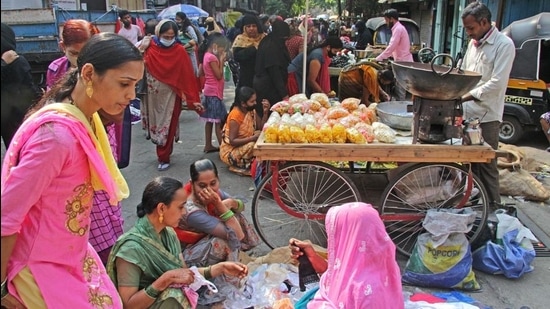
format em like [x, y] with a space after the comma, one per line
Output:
[59, 157]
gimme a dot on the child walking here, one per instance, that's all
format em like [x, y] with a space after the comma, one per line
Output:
[215, 111]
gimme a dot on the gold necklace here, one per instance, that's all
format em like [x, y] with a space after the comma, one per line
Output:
[90, 120]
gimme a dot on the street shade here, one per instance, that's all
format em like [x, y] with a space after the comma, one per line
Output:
[190, 10]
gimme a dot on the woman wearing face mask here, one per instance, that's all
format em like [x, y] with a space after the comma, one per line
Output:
[75, 33]
[169, 71]
[241, 130]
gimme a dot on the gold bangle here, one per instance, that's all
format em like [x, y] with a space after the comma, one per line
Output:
[208, 273]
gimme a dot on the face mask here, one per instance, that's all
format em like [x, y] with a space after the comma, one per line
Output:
[250, 108]
[72, 59]
[166, 42]
[330, 54]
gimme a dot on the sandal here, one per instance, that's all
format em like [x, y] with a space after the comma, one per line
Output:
[215, 149]
[163, 166]
[240, 171]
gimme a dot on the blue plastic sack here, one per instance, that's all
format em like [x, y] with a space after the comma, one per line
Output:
[509, 258]
[306, 298]
[454, 296]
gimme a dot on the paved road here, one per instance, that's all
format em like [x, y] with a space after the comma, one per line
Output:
[498, 292]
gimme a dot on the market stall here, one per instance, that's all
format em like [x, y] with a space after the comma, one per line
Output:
[303, 180]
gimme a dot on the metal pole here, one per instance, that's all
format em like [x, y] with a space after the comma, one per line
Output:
[304, 63]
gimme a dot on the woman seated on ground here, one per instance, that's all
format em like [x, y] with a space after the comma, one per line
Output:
[361, 271]
[146, 263]
[213, 228]
[241, 131]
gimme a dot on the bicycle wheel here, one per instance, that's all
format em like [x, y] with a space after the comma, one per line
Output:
[294, 202]
[424, 186]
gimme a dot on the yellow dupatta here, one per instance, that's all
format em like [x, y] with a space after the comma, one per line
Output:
[102, 146]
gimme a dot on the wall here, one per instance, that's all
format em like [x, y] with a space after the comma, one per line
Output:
[423, 16]
[131, 5]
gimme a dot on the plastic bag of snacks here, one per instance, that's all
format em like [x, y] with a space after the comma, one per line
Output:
[383, 133]
[312, 134]
[272, 133]
[284, 136]
[297, 120]
[336, 113]
[366, 130]
[326, 133]
[298, 108]
[321, 98]
[308, 119]
[354, 136]
[349, 121]
[285, 119]
[350, 104]
[297, 98]
[371, 115]
[338, 133]
[297, 135]
[315, 106]
[280, 107]
[273, 119]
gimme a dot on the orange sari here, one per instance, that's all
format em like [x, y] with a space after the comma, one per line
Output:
[240, 156]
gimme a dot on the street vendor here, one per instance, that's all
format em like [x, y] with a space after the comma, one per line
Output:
[213, 228]
[361, 257]
[241, 131]
[317, 73]
[362, 81]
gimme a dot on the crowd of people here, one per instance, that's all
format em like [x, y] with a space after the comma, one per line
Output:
[67, 230]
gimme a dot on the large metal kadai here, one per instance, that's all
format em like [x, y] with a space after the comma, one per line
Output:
[435, 82]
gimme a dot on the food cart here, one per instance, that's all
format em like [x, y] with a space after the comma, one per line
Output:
[300, 186]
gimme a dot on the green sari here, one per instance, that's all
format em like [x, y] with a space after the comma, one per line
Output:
[155, 255]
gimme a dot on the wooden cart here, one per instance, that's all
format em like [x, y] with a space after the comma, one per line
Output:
[298, 186]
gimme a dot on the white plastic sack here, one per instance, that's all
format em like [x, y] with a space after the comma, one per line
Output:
[440, 223]
[507, 223]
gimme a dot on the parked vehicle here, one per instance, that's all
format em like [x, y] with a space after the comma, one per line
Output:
[381, 34]
[527, 95]
[37, 31]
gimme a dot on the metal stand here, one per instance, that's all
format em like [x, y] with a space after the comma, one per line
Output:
[436, 121]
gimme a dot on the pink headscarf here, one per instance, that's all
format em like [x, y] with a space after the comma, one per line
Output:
[362, 270]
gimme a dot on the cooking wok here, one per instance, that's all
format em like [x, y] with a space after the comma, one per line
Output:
[395, 115]
[435, 82]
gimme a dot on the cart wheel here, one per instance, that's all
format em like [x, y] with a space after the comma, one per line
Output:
[294, 202]
[424, 186]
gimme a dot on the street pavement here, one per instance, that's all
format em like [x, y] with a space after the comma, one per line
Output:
[497, 292]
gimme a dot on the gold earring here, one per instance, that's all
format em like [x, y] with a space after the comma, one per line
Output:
[161, 218]
[89, 90]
